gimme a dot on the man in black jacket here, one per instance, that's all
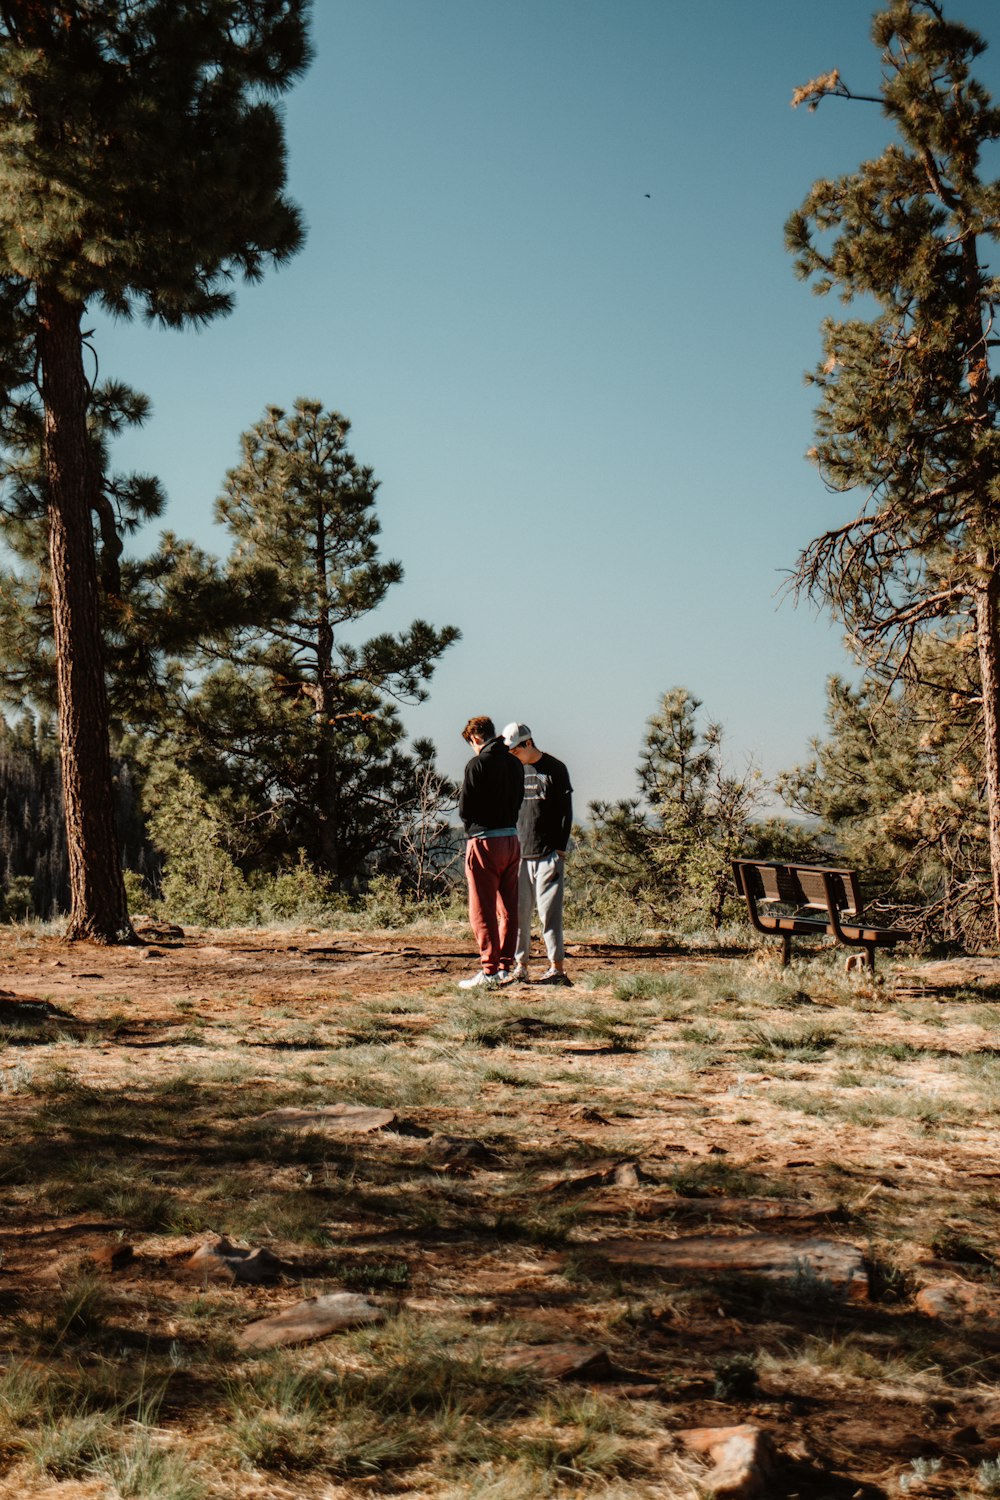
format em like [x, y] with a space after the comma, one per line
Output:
[488, 805]
[544, 827]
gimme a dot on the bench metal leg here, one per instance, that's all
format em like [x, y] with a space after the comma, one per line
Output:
[870, 950]
[786, 950]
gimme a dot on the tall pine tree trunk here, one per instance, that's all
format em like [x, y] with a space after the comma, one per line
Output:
[98, 907]
[327, 782]
[989, 672]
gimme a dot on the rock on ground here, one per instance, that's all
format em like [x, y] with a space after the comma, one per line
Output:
[744, 1460]
[316, 1318]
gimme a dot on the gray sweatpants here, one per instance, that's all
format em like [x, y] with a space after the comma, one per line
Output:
[541, 884]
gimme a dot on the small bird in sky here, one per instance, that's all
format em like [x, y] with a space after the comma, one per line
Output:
[647, 195]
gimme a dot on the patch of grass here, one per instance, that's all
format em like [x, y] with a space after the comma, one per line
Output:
[371, 1276]
[788, 1300]
[716, 1178]
[808, 1045]
[735, 1378]
[79, 1311]
[350, 1422]
[859, 1355]
[608, 1031]
[71, 1448]
[806, 1101]
[700, 1035]
[988, 1476]
[572, 1454]
[141, 1468]
[22, 1401]
[278, 1418]
[17, 1080]
[506, 1076]
[953, 1245]
[548, 1227]
[375, 1032]
[926, 1110]
[848, 1078]
[109, 1190]
[894, 1050]
[55, 1080]
[653, 986]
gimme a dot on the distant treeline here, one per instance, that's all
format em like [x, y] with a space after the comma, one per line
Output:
[34, 875]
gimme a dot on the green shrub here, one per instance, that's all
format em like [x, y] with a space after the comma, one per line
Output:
[384, 904]
[299, 894]
[18, 900]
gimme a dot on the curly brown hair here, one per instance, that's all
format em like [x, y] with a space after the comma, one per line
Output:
[482, 727]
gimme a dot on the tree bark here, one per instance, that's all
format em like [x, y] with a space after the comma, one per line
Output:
[989, 672]
[327, 784]
[98, 906]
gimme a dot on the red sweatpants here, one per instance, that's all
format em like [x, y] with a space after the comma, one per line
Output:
[492, 867]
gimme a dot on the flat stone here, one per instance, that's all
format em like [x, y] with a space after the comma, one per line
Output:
[337, 1119]
[744, 1460]
[955, 1301]
[559, 1361]
[567, 1362]
[837, 1265]
[316, 1318]
[232, 1263]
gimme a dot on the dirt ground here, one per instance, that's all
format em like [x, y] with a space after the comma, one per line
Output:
[533, 1129]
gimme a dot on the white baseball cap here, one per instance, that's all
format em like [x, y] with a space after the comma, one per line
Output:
[515, 734]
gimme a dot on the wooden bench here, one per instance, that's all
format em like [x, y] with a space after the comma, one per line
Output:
[820, 899]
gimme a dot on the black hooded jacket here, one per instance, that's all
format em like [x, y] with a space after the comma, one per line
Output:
[492, 790]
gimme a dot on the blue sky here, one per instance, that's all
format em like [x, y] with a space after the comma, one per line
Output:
[585, 404]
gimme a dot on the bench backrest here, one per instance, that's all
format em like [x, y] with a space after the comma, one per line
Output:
[797, 885]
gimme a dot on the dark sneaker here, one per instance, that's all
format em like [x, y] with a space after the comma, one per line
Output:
[555, 976]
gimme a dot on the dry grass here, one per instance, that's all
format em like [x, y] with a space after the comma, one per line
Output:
[723, 1078]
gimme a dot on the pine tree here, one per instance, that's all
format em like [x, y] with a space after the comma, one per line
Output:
[141, 168]
[896, 785]
[908, 402]
[155, 611]
[295, 715]
[135, 621]
[669, 849]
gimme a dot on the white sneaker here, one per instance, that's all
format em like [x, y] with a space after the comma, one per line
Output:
[480, 981]
[519, 974]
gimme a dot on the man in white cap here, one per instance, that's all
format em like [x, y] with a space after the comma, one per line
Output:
[544, 825]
